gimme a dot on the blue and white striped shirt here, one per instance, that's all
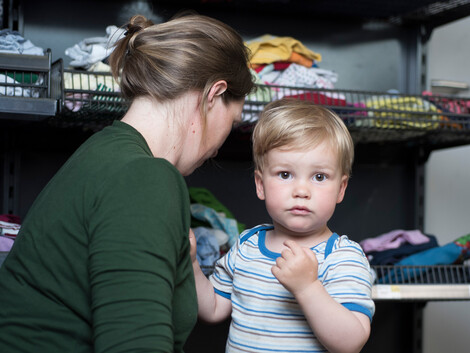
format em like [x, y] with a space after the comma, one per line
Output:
[265, 315]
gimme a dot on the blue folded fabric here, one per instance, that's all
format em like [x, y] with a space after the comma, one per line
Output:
[452, 253]
[455, 252]
[392, 256]
[216, 220]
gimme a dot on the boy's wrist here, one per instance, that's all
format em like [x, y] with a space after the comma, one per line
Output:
[309, 291]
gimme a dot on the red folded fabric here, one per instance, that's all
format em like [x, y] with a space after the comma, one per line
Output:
[320, 98]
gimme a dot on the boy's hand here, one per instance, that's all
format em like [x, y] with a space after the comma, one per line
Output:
[193, 245]
[296, 268]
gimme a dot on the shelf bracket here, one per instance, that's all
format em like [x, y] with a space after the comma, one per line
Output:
[414, 58]
[10, 181]
[11, 15]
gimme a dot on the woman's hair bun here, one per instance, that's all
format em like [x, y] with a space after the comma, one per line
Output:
[136, 24]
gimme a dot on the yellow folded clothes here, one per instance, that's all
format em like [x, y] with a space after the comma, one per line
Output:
[404, 112]
[97, 78]
[268, 49]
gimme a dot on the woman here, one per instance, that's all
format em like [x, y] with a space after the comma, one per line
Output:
[102, 261]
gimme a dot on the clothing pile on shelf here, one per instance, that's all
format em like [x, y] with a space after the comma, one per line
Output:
[89, 72]
[12, 42]
[456, 110]
[17, 83]
[214, 226]
[284, 67]
[391, 247]
[412, 252]
[395, 112]
[454, 252]
[89, 51]
[285, 61]
[9, 227]
[81, 87]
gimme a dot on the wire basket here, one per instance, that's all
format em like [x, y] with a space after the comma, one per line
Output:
[29, 85]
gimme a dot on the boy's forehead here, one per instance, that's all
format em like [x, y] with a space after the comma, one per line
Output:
[303, 145]
[330, 151]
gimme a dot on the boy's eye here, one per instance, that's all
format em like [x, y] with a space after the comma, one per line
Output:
[319, 177]
[284, 175]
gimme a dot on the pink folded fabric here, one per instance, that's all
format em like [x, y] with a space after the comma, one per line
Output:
[5, 243]
[393, 240]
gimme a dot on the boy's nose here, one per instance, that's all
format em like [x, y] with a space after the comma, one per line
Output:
[301, 190]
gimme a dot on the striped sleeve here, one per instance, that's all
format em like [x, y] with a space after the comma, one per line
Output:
[347, 277]
[222, 277]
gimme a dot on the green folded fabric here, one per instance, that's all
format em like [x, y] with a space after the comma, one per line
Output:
[206, 198]
[23, 77]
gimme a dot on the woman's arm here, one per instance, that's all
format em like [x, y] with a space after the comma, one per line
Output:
[138, 249]
[212, 308]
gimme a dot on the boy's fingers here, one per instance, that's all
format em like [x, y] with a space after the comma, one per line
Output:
[309, 253]
[286, 254]
[293, 246]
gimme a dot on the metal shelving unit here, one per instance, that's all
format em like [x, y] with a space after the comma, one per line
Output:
[93, 98]
[422, 283]
[436, 121]
[29, 86]
[90, 96]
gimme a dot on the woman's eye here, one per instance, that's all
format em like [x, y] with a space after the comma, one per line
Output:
[319, 177]
[284, 175]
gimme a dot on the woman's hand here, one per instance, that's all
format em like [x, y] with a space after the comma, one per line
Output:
[193, 244]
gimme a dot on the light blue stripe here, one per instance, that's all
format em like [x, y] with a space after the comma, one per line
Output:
[275, 313]
[226, 280]
[259, 349]
[240, 289]
[249, 257]
[346, 276]
[359, 294]
[257, 274]
[307, 332]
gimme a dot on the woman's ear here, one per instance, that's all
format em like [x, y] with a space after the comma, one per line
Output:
[216, 90]
[259, 185]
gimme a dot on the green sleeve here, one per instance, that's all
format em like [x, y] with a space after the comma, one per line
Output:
[138, 234]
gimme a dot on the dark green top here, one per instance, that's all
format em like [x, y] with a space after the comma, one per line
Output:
[102, 263]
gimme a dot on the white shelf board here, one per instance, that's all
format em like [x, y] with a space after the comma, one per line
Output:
[421, 292]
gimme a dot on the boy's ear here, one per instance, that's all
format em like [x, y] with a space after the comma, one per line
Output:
[216, 90]
[259, 185]
[342, 188]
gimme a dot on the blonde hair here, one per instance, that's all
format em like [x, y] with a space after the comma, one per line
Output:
[298, 124]
[187, 53]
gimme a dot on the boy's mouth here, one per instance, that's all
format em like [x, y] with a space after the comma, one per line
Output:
[300, 210]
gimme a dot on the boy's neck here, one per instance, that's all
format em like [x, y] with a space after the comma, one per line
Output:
[276, 237]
